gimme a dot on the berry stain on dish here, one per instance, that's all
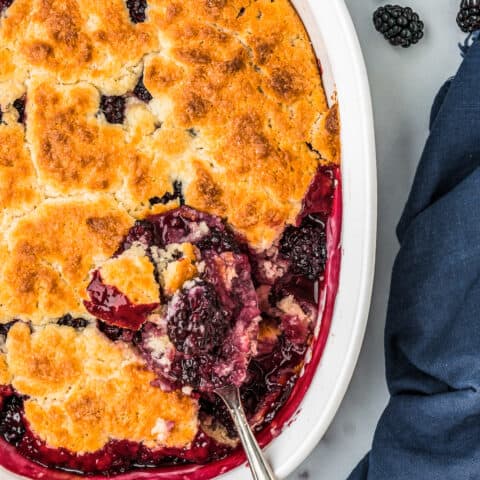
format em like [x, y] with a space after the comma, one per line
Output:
[152, 266]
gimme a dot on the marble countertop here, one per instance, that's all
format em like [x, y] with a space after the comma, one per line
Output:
[403, 84]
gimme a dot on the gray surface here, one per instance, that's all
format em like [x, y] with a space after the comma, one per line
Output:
[403, 84]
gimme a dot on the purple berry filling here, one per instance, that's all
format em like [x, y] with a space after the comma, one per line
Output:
[220, 241]
[143, 232]
[116, 333]
[76, 323]
[115, 458]
[19, 105]
[196, 321]
[113, 107]
[168, 197]
[141, 92]
[137, 10]
[212, 322]
[5, 327]
[319, 198]
[305, 247]
[12, 428]
[183, 225]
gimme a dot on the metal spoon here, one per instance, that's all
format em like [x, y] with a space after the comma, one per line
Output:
[258, 464]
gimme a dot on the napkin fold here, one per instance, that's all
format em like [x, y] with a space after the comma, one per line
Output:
[431, 426]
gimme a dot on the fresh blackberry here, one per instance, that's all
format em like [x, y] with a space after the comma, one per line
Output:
[113, 107]
[401, 26]
[141, 92]
[305, 247]
[468, 18]
[137, 10]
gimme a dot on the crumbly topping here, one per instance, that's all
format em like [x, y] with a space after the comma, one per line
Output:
[85, 390]
[176, 265]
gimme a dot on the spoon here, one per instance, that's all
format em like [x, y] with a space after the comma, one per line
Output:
[259, 467]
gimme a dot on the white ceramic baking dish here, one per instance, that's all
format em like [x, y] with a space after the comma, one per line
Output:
[333, 36]
[336, 44]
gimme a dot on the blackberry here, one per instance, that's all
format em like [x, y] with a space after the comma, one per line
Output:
[141, 92]
[137, 10]
[401, 26]
[113, 107]
[468, 18]
[305, 247]
[219, 241]
[19, 105]
[196, 322]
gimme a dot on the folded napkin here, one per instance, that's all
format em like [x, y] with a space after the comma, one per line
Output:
[431, 426]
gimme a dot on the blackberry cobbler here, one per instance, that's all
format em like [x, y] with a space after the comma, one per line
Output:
[168, 182]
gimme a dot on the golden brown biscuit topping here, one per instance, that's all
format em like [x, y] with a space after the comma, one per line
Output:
[80, 388]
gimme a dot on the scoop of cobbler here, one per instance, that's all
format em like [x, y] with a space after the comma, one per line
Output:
[198, 328]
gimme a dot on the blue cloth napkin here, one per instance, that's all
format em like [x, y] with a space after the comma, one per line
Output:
[431, 426]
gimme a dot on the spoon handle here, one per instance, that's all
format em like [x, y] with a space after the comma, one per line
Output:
[258, 464]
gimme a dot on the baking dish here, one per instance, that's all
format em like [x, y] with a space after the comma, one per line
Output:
[332, 34]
